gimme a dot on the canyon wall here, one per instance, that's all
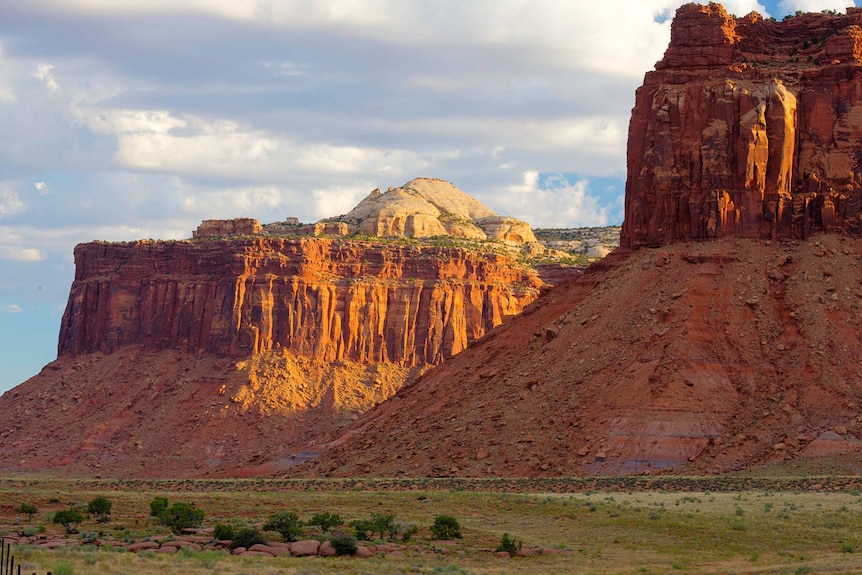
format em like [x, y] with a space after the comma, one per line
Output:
[748, 127]
[320, 298]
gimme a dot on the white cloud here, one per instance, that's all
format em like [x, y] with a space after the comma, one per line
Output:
[556, 203]
[11, 308]
[41, 187]
[10, 203]
[21, 254]
[791, 6]
[337, 200]
[44, 72]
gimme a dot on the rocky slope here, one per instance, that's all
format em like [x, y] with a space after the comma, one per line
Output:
[748, 128]
[691, 357]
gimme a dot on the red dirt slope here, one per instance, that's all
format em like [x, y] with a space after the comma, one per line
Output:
[693, 357]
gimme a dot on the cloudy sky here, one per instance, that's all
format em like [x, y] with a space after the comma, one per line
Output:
[129, 119]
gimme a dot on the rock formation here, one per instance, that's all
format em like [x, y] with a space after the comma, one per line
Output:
[687, 358]
[748, 127]
[427, 207]
[232, 352]
[320, 298]
[680, 357]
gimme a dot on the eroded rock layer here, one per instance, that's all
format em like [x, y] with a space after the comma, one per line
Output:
[748, 127]
[319, 298]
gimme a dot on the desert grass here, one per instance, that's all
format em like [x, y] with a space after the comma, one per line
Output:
[602, 532]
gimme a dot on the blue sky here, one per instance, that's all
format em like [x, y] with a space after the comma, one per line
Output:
[129, 119]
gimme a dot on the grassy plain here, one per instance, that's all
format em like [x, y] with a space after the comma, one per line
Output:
[750, 530]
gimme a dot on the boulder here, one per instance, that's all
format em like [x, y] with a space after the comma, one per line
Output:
[304, 548]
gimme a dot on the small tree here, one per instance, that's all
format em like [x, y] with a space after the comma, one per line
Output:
[364, 529]
[325, 521]
[286, 523]
[384, 524]
[180, 516]
[68, 518]
[446, 527]
[100, 508]
[28, 509]
[158, 505]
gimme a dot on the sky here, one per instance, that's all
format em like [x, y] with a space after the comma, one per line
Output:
[134, 119]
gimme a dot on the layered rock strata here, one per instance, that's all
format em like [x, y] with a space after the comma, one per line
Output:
[748, 127]
[320, 298]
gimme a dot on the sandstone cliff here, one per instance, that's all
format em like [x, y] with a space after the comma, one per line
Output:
[320, 298]
[748, 127]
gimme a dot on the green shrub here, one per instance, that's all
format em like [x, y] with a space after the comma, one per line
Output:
[180, 516]
[446, 527]
[68, 518]
[344, 543]
[325, 521]
[100, 508]
[509, 544]
[63, 568]
[223, 532]
[847, 547]
[364, 529]
[407, 531]
[28, 509]
[246, 537]
[158, 505]
[286, 523]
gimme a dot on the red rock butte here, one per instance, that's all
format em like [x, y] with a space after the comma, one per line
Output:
[749, 128]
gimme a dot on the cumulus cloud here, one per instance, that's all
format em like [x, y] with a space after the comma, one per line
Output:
[11, 308]
[555, 202]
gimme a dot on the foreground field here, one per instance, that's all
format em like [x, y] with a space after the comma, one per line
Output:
[610, 531]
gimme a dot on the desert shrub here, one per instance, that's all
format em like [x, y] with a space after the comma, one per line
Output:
[28, 509]
[180, 516]
[847, 547]
[246, 537]
[325, 521]
[509, 544]
[407, 531]
[286, 523]
[364, 529]
[69, 519]
[158, 505]
[223, 532]
[344, 543]
[446, 527]
[63, 568]
[100, 508]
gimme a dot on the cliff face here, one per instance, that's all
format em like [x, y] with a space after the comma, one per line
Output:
[748, 127]
[319, 298]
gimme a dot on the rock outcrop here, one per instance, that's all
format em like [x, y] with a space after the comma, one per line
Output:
[320, 298]
[748, 127]
[427, 207]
